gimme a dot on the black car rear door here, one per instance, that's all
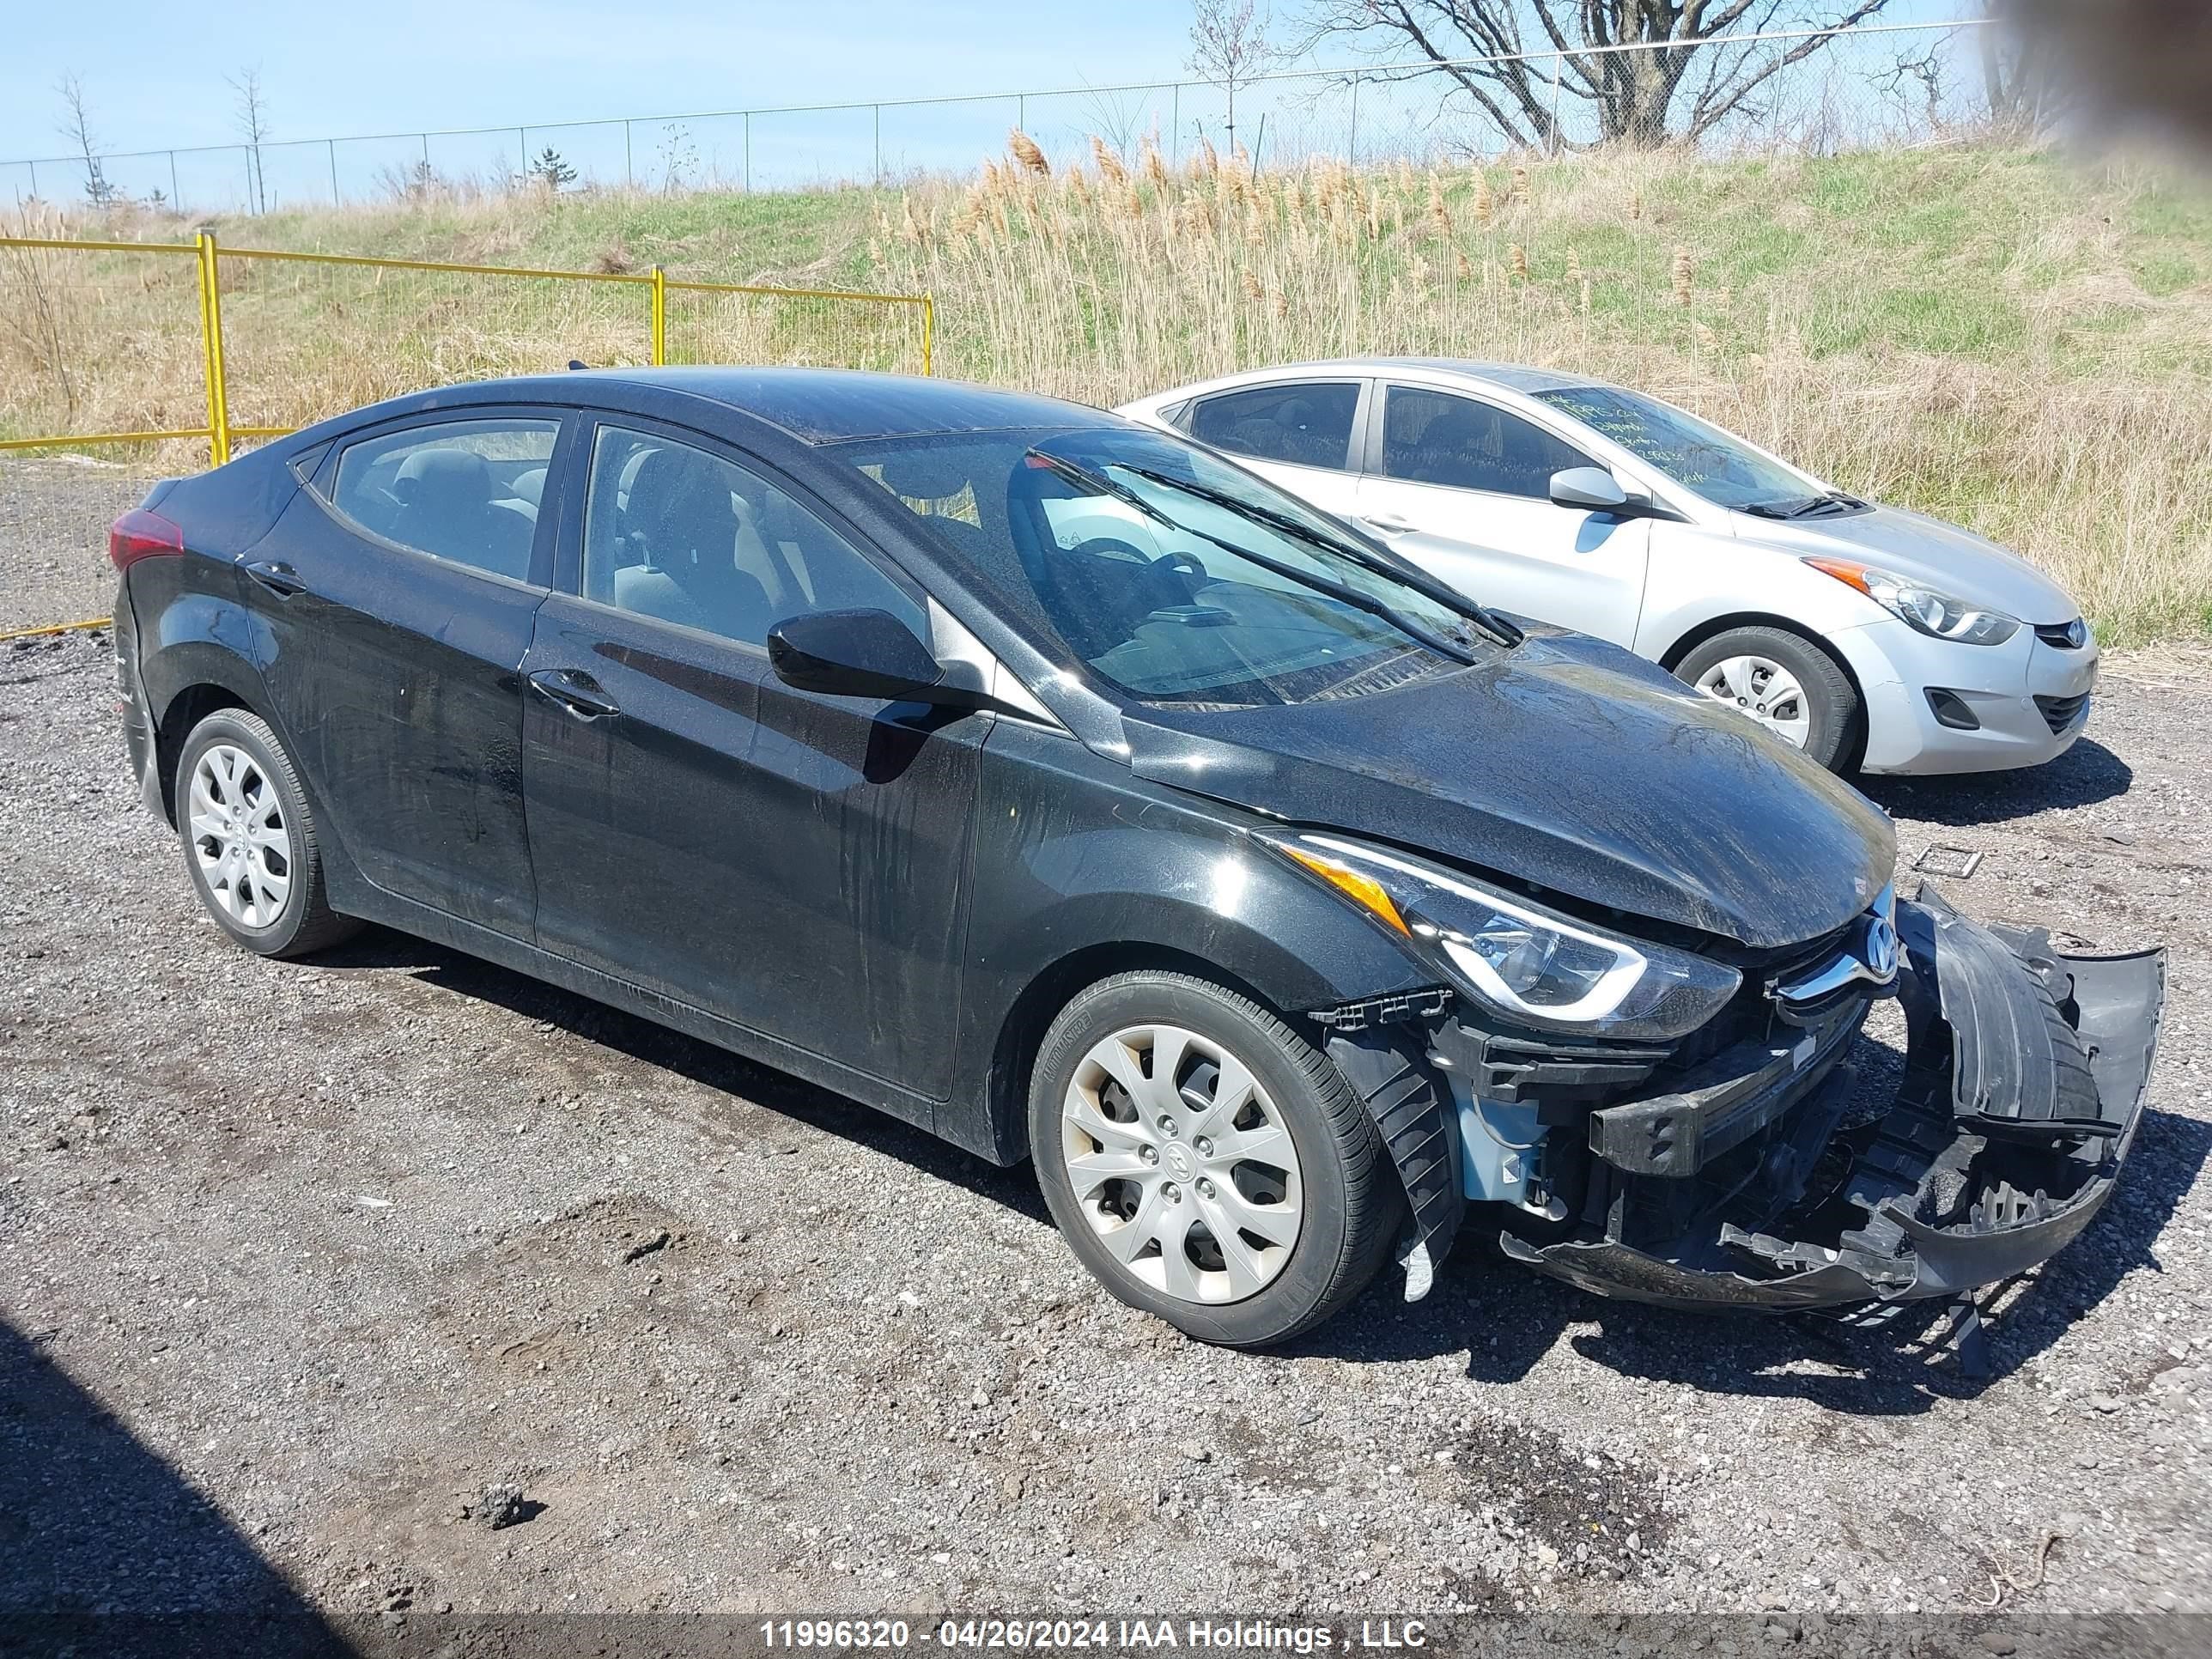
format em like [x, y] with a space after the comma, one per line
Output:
[398, 593]
[793, 863]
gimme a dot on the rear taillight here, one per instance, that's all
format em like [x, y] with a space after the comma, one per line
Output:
[139, 534]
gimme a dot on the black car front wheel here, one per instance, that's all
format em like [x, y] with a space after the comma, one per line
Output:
[249, 838]
[1207, 1163]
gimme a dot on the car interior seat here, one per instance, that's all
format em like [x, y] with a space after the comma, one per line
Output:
[1454, 447]
[447, 507]
[530, 486]
[682, 528]
[938, 480]
[1293, 430]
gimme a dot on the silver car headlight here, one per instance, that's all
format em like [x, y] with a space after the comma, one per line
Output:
[1531, 965]
[1930, 611]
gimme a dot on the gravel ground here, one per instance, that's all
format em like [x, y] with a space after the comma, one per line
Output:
[296, 1260]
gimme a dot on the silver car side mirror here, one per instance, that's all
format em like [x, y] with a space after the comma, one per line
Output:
[1589, 487]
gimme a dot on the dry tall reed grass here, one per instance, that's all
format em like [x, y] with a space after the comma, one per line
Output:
[2093, 457]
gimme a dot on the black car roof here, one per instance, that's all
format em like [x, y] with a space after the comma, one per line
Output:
[830, 405]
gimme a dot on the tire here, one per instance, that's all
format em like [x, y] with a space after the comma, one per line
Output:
[249, 839]
[1346, 1198]
[1746, 661]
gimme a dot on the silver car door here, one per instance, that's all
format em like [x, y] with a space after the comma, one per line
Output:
[1461, 487]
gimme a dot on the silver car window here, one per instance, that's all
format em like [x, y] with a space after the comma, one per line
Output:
[1435, 438]
[1307, 423]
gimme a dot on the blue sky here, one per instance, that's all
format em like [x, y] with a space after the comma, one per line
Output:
[154, 68]
[154, 75]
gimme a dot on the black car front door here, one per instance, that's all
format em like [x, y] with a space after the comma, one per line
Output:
[793, 863]
[397, 592]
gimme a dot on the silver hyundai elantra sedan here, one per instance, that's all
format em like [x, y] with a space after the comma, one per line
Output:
[1868, 636]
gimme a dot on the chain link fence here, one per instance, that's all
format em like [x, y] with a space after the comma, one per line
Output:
[1816, 92]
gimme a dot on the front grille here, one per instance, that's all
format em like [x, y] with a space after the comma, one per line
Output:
[2059, 712]
[2064, 636]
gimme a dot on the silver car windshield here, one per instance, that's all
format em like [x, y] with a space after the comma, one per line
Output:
[1694, 454]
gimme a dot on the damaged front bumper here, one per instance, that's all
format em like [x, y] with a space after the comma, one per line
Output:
[1751, 1180]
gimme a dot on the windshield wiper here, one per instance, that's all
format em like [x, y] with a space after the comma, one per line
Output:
[1803, 507]
[1407, 575]
[1336, 590]
[1833, 498]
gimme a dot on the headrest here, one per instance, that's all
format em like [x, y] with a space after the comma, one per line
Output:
[1457, 426]
[926, 475]
[531, 486]
[679, 496]
[443, 478]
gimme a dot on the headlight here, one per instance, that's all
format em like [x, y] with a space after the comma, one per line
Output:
[1534, 966]
[1939, 615]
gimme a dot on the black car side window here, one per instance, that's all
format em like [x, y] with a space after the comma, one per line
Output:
[675, 531]
[1433, 437]
[1308, 424]
[464, 491]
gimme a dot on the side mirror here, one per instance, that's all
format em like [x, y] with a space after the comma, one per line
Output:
[853, 653]
[1589, 487]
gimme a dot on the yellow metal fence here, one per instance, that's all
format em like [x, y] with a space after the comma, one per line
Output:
[97, 344]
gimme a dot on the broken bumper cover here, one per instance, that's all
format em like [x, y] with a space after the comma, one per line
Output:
[2023, 1090]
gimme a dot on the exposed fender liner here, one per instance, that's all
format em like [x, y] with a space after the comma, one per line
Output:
[2017, 1066]
[1388, 1069]
[1995, 1157]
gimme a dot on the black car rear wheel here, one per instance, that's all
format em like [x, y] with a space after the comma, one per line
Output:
[249, 838]
[1207, 1163]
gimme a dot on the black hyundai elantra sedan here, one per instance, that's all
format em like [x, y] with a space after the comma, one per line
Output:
[1056, 785]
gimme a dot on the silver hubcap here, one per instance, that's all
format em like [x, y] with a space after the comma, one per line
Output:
[1763, 688]
[1182, 1164]
[240, 836]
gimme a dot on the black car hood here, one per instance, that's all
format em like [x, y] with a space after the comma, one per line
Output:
[1566, 763]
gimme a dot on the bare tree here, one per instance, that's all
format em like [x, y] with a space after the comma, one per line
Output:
[1230, 48]
[76, 125]
[2021, 89]
[251, 118]
[1530, 65]
[1119, 118]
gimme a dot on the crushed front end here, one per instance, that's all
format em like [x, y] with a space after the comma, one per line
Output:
[1740, 1166]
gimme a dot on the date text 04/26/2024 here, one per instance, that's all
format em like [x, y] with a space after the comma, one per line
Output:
[1024, 1635]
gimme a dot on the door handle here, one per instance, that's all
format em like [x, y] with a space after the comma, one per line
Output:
[277, 577]
[1388, 523]
[574, 692]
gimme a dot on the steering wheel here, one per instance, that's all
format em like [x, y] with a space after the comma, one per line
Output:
[1112, 547]
[1183, 563]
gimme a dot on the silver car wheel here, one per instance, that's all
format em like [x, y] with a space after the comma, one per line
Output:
[240, 836]
[1182, 1163]
[1764, 689]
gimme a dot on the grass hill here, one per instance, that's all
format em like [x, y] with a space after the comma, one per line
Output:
[1997, 335]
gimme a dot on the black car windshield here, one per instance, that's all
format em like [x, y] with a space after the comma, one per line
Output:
[1173, 576]
[1722, 468]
